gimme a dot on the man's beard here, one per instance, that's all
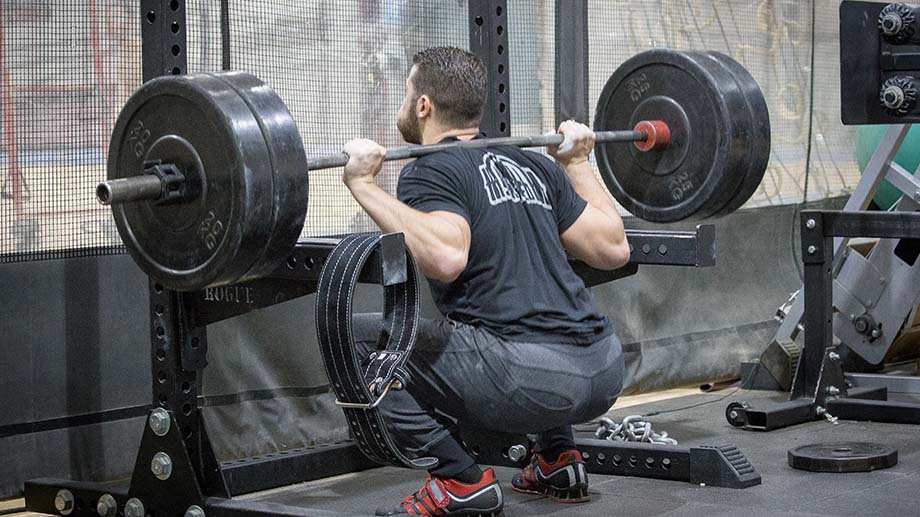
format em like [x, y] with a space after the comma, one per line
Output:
[409, 129]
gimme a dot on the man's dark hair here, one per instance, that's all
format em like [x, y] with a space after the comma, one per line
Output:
[455, 80]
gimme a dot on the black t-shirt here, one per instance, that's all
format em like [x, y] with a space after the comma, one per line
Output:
[517, 282]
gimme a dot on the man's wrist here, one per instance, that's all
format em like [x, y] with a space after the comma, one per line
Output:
[362, 184]
[574, 166]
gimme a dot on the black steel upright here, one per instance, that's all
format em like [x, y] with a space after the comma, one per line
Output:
[571, 91]
[820, 389]
[225, 59]
[163, 38]
[489, 40]
[817, 254]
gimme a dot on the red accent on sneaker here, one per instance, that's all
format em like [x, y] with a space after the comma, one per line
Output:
[565, 458]
[462, 489]
[529, 482]
[424, 502]
[429, 505]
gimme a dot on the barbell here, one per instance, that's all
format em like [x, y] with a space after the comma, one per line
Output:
[166, 184]
[207, 172]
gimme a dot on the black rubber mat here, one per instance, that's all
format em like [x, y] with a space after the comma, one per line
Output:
[784, 491]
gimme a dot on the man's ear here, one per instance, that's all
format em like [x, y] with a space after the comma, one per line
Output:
[424, 108]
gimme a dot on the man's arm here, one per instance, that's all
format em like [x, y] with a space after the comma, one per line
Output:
[439, 240]
[597, 237]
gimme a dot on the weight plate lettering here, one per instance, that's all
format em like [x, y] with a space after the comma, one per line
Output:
[204, 127]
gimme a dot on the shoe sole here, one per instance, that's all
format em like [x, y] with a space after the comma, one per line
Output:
[557, 496]
[471, 513]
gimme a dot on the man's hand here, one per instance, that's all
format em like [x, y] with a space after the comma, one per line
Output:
[577, 145]
[365, 159]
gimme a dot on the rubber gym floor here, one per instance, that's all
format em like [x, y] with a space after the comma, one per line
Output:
[783, 491]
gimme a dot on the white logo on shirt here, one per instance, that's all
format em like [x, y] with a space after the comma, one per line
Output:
[506, 180]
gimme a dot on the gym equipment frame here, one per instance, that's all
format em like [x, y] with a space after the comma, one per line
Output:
[177, 473]
[819, 389]
[873, 295]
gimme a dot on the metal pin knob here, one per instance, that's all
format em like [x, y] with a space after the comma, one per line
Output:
[63, 502]
[898, 95]
[812, 250]
[833, 356]
[897, 23]
[893, 97]
[810, 224]
[891, 24]
[161, 466]
[159, 422]
[833, 390]
[107, 506]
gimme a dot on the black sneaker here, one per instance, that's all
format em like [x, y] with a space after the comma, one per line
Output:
[450, 497]
[564, 480]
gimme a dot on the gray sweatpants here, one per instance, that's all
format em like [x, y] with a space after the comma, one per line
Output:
[461, 374]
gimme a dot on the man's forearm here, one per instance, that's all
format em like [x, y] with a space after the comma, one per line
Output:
[585, 183]
[428, 238]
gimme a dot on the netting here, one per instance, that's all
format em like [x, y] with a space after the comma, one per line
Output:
[531, 61]
[65, 70]
[774, 40]
[341, 69]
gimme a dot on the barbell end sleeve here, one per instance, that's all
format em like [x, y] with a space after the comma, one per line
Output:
[104, 193]
[659, 135]
[124, 190]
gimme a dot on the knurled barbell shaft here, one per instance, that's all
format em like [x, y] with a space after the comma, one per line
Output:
[149, 187]
[414, 151]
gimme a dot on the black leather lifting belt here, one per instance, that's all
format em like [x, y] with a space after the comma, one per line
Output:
[360, 384]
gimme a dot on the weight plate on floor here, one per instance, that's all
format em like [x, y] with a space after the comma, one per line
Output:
[843, 457]
[288, 165]
[759, 155]
[203, 126]
[679, 182]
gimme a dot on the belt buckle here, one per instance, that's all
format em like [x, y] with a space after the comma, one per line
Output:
[371, 405]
